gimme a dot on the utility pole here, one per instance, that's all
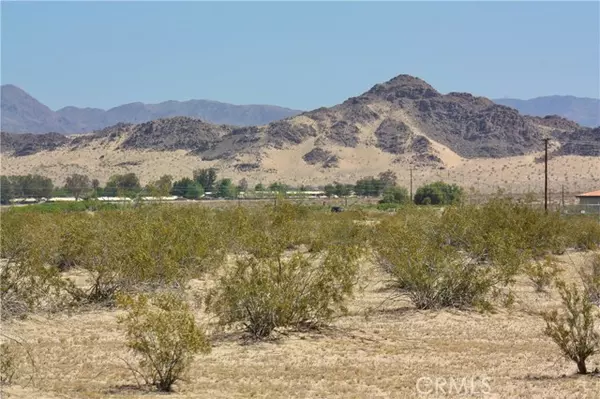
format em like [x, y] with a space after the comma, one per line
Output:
[411, 191]
[562, 193]
[546, 174]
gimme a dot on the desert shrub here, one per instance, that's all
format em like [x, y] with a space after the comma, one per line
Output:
[148, 247]
[584, 232]
[430, 272]
[504, 232]
[275, 283]
[573, 329]
[542, 273]
[27, 280]
[163, 334]
[590, 276]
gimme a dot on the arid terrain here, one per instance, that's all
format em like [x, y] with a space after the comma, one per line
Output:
[401, 124]
[379, 350]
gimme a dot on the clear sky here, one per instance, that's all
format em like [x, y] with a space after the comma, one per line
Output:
[301, 55]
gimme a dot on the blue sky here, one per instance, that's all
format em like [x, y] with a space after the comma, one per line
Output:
[301, 55]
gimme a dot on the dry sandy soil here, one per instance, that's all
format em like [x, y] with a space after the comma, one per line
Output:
[518, 174]
[381, 349]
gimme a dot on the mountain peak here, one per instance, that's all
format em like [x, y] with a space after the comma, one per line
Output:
[403, 86]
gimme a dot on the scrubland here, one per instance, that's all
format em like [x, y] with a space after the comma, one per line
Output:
[295, 301]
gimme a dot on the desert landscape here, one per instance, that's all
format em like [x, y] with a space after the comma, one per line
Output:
[299, 200]
[381, 345]
[399, 125]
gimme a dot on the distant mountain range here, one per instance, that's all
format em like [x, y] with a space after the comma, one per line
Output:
[22, 113]
[585, 111]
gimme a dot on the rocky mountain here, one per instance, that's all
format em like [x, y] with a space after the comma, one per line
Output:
[21, 113]
[585, 111]
[404, 115]
[402, 123]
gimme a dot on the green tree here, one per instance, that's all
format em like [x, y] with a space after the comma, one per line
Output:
[128, 184]
[225, 189]
[369, 187]
[259, 187]
[6, 190]
[97, 191]
[161, 187]
[206, 178]
[35, 186]
[329, 190]
[438, 193]
[77, 184]
[187, 188]
[395, 195]
[278, 187]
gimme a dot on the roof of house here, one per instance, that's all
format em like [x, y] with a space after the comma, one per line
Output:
[590, 194]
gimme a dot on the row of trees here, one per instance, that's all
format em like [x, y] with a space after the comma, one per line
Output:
[206, 180]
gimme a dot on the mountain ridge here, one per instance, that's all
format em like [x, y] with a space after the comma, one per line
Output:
[22, 113]
[583, 110]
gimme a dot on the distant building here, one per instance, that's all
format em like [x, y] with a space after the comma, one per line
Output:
[591, 198]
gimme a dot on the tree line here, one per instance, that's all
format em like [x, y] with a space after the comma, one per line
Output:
[204, 181]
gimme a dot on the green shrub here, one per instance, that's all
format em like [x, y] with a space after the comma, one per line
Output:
[395, 195]
[275, 283]
[584, 232]
[430, 272]
[27, 281]
[573, 329]
[163, 333]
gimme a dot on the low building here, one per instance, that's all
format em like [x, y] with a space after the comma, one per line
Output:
[591, 198]
[64, 199]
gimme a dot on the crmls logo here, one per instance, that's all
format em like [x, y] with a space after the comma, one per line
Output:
[453, 386]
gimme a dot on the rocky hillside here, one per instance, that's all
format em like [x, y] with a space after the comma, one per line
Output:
[21, 113]
[585, 111]
[404, 117]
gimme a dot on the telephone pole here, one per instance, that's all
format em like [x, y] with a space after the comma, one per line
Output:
[546, 174]
[411, 191]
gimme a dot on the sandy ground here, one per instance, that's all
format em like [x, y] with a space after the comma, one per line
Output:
[381, 349]
[515, 175]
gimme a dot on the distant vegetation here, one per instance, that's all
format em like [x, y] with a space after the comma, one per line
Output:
[207, 182]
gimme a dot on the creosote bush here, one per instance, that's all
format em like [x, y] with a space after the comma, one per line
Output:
[162, 332]
[431, 272]
[573, 329]
[542, 273]
[27, 280]
[288, 274]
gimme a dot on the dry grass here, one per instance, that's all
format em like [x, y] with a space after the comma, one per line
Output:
[380, 349]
